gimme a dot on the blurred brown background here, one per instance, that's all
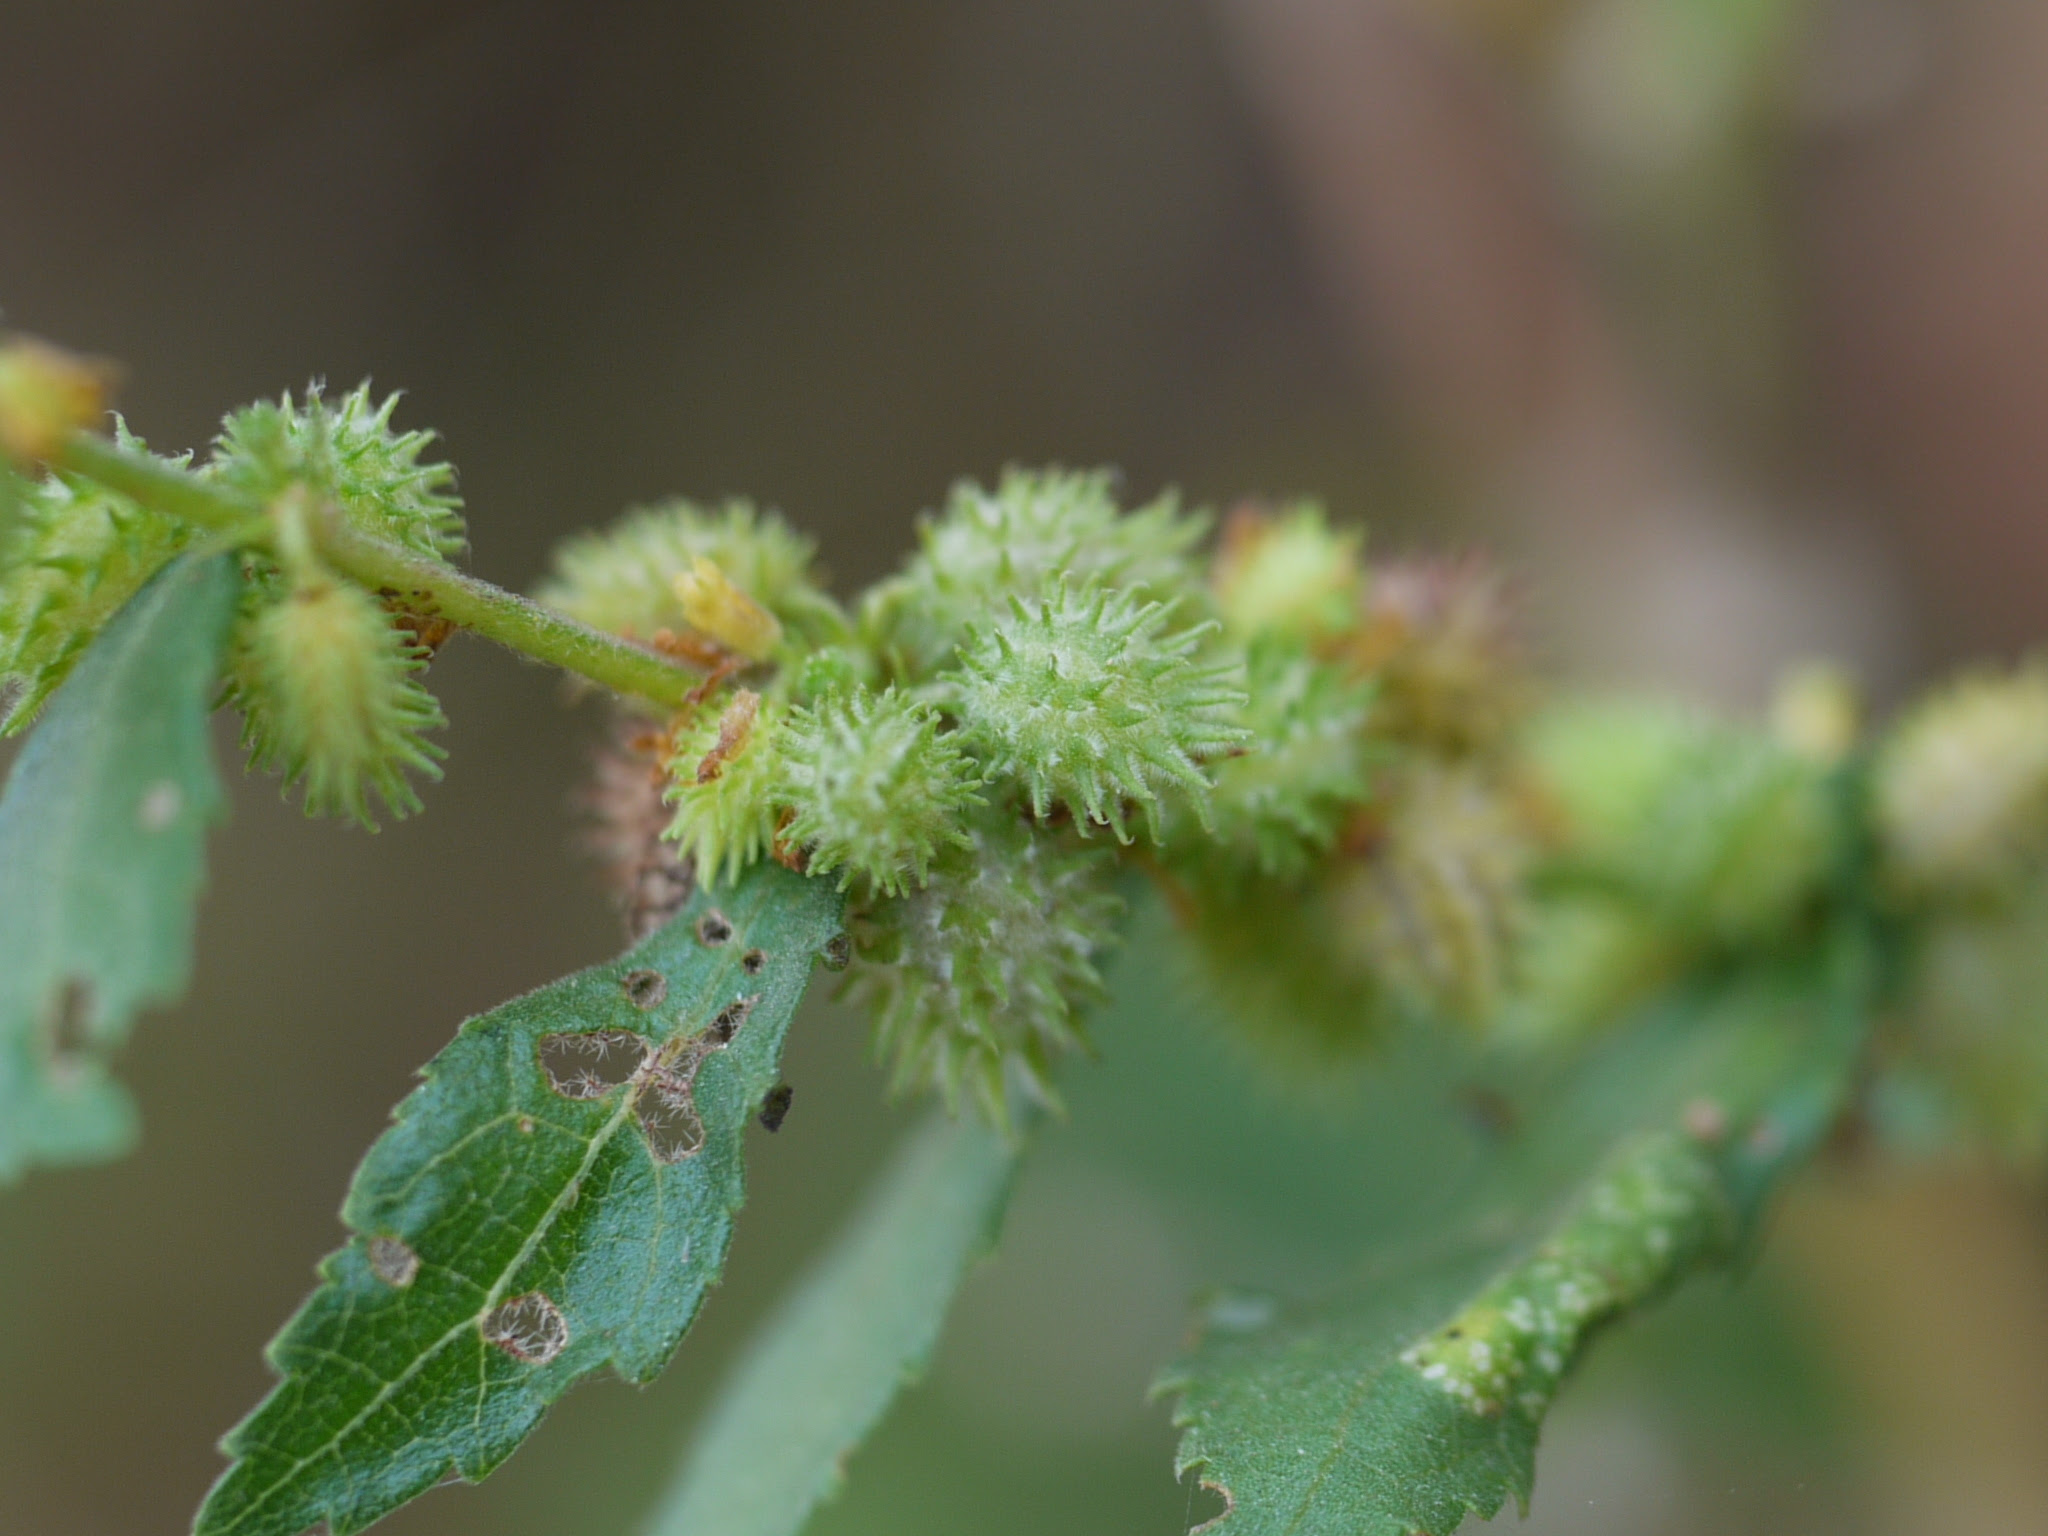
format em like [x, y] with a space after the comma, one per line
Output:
[1722, 318]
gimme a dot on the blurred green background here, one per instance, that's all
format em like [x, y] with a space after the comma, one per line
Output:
[1722, 319]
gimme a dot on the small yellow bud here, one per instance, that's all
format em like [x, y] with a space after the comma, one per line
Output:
[47, 393]
[721, 610]
[1816, 712]
[1961, 789]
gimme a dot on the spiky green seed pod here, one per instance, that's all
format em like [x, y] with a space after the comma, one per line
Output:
[829, 670]
[1035, 527]
[1440, 637]
[875, 789]
[346, 454]
[1287, 573]
[1960, 790]
[725, 775]
[74, 555]
[1280, 804]
[1088, 700]
[976, 980]
[623, 579]
[330, 693]
[1436, 904]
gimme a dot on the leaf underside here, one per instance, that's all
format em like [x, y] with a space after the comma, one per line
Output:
[102, 834]
[553, 1199]
[1415, 1398]
[833, 1357]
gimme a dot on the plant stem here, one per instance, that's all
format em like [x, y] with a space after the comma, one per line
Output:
[419, 584]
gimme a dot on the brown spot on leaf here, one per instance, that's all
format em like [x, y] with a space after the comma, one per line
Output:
[726, 1023]
[529, 1328]
[644, 989]
[837, 953]
[393, 1261]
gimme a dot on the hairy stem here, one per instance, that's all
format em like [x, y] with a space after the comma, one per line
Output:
[418, 584]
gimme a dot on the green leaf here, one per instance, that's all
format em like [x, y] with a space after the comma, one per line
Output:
[554, 1198]
[1416, 1397]
[102, 829]
[864, 1323]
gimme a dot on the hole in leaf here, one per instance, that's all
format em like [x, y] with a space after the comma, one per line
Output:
[529, 1328]
[729, 1019]
[590, 1065]
[667, 1111]
[753, 962]
[393, 1261]
[714, 929]
[644, 989]
[1208, 1503]
[837, 953]
[775, 1107]
[67, 1027]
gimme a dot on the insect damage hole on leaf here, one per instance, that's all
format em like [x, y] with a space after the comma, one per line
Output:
[393, 1261]
[644, 989]
[529, 1328]
[67, 1028]
[665, 1087]
[713, 928]
[729, 1019]
[753, 962]
[592, 1064]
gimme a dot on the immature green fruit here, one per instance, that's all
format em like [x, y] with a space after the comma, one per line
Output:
[724, 778]
[74, 554]
[1720, 834]
[330, 692]
[1035, 527]
[977, 979]
[348, 455]
[623, 580]
[1960, 791]
[1286, 573]
[1280, 804]
[1087, 701]
[875, 789]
